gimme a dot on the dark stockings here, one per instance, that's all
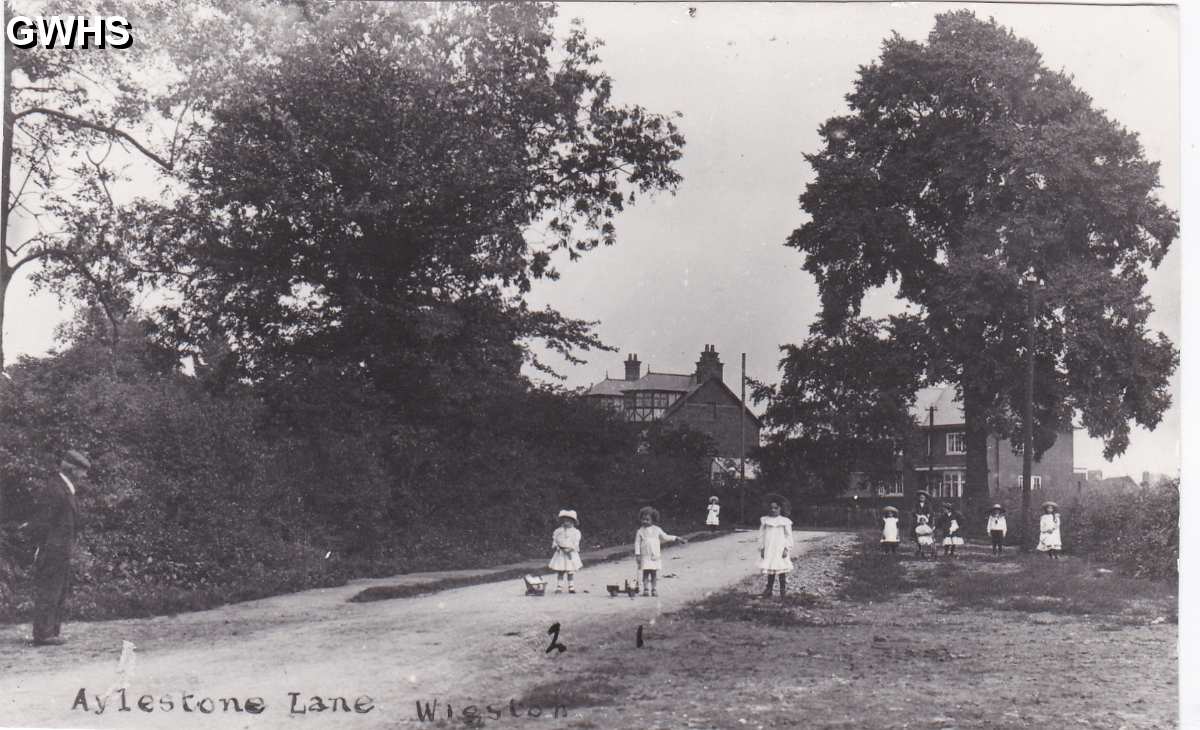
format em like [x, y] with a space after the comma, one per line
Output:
[771, 584]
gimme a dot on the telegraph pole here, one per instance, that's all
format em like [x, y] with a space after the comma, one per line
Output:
[928, 486]
[1027, 438]
[742, 444]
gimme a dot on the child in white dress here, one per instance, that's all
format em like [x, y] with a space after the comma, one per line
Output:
[714, 514]
[647, 549]
[775, 544]
[924, 532]
[891, 530]
[997, 527]
[1050, 530]
[565, 542]
[951, 528]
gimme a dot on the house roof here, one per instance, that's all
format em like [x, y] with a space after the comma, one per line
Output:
[664, 381]
[683, 399]
[649, 381]
[608, 386]
[948, 410]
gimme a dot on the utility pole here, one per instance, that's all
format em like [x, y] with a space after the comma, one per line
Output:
[742, 444]
[1027, 439]
[929, 454]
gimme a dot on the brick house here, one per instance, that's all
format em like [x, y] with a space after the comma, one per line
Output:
[936, 460]
[699, 400]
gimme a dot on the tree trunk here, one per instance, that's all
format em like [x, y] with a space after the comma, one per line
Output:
[6, 181]
[975, 491]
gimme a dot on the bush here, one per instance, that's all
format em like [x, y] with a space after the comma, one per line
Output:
[201, 495]
[1136, 530]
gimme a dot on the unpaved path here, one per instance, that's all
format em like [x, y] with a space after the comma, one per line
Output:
[458, 645]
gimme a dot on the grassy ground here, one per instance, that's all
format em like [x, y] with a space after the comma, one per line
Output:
[874, 641]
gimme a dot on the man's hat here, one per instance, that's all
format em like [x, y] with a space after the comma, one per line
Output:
[77, 458]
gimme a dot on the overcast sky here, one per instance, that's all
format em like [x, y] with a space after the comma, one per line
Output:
[753, 82]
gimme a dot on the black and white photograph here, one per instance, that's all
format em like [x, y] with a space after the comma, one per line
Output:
[594, 365]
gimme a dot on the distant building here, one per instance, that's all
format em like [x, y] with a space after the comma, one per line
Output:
[939, 464]
[1113, 485]
[699, 400]
[936, 459]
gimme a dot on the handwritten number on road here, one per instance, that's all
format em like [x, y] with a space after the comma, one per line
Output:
[639, 637]
[554, 644]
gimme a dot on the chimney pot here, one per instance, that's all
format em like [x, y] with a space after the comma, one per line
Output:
[633, 368]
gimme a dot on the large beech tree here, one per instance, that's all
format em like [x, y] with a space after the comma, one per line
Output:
[979, 181]
[380, 198]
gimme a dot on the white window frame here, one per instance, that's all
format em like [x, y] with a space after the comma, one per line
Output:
[893, 488]
[1034, 480]
[952, 487]
[956, 436]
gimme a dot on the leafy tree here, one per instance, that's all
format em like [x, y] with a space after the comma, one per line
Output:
[381, 197]
[979, 180]
[61, 108]
[842, 404]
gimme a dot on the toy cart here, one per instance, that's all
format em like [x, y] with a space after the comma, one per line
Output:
[534, 586]
[630, 588]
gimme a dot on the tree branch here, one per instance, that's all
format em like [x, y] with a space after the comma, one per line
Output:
[44, 253]
[102, 128]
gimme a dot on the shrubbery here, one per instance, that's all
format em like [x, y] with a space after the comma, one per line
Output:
[1136, 530]
[203, 493]
[1139, 531]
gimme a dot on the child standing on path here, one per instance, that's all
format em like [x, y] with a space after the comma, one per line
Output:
[647, 549]
[997, 527]
[775, 544]
[714, 514]
[891, 530]
[565, 542]
[1050, 541]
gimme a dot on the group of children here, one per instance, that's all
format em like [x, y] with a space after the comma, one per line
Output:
[775, 545]
[776, 542]
[949, 524]
[647, 549]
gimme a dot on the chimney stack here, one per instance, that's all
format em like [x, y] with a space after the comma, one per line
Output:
[633, 368]
[709, 365]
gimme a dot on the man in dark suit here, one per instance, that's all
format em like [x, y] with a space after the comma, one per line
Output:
[55, 539]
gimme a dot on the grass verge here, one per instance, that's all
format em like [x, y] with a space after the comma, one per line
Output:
[1013, 581]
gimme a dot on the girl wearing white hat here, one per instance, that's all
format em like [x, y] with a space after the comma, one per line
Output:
[566, 541]
[714, 514]
[1050, 530]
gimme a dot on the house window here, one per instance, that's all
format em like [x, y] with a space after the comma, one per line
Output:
[893, 487]
[956, 443]
[950, 486]
[1035, 482]
[647, 406]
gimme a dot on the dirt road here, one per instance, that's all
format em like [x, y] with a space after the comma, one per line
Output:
[462, 646]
